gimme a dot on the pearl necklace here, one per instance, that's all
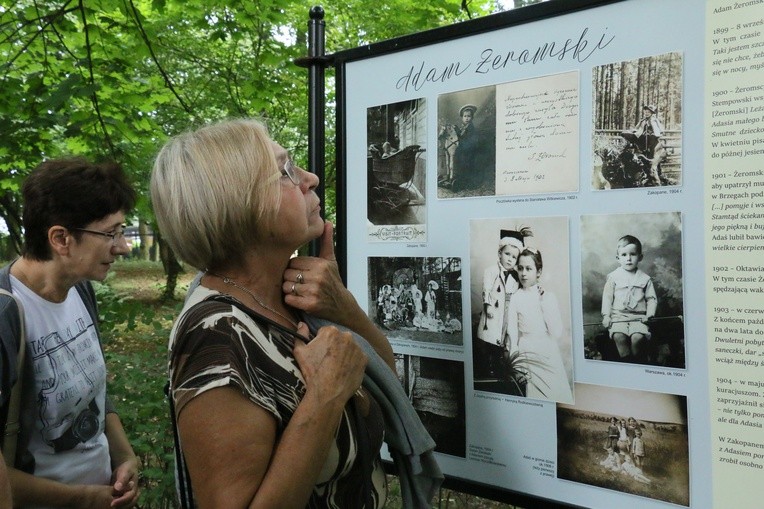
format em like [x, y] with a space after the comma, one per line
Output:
[227, 280]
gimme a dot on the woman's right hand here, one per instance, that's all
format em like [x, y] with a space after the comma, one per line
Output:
[332, 364]
[233, 448]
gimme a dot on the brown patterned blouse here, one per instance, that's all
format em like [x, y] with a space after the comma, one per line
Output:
[219, 342]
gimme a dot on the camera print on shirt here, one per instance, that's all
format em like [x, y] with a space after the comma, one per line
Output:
[70, 374]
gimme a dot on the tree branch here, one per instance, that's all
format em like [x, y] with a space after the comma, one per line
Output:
[154, 58]
[49, 20]
[465, 8]
[94, 95]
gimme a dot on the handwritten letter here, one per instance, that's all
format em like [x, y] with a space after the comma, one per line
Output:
[537, 135]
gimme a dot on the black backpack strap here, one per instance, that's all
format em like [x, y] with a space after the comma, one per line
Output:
[10, 417]
[182, 479]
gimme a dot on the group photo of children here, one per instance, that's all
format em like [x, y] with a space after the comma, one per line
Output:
[626, 440]
[631, 266]
[520, 303]
[625, 448]
[417, 299]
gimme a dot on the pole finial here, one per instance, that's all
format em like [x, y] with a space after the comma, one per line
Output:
[317, 12]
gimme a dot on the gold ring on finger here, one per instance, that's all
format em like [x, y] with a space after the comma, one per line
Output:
[300, 278]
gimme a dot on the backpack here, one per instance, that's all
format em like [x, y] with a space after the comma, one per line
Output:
[12, 424]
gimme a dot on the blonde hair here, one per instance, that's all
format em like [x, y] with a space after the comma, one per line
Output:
[511, 241]
[214, 191]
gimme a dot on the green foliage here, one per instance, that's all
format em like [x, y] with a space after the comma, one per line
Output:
[114, 78]
[135, 328]
[138, 393]
[121, 311]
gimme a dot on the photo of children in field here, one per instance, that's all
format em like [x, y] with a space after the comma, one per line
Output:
[521, 307]
[626, 440]
[632, 288]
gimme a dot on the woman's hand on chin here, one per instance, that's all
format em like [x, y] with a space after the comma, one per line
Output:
[313, 284]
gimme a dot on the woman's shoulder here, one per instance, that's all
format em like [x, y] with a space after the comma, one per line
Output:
[207, 310]
[202, 301]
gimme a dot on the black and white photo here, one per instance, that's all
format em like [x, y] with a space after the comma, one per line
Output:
[520, 306]
[436, 389]
[632, 288]
[417, 299]
[467, 143]
[637, 139]
[396, 161]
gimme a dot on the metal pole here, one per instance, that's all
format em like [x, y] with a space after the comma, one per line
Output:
[316, 62]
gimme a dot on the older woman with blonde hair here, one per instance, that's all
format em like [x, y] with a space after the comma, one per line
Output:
[267, 397]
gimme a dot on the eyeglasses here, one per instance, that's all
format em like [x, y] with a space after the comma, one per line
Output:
[289, 171]
[115, 236]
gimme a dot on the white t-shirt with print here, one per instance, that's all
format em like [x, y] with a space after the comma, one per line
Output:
[69, 392]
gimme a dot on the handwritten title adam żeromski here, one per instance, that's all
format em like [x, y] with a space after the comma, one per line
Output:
[491, 60]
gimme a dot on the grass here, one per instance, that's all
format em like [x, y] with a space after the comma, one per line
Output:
[135, 327]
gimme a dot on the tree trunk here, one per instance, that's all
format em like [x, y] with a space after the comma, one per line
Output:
[172, 268]
[620, 122]
[147, 239]
[11, 213]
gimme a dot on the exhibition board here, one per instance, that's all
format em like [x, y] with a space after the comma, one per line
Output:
[608, 354]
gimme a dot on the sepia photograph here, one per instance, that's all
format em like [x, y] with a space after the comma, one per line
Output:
[467, 143]
[520, 307]
[396, 171]
[435, 388]
[417, 299]
[626, 440]
[632, 295]
[638, 123]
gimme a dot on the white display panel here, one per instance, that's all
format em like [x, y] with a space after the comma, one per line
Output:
[555, 142]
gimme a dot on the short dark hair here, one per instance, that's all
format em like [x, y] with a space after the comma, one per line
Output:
[71, 192]
[536, 255]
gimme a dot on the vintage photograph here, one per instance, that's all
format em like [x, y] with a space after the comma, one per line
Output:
[396, 171]
[436, 390]
[520, 307]
[626, 440]
[632, 295]
[417, 299]
[638, 123]
[467, 143]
